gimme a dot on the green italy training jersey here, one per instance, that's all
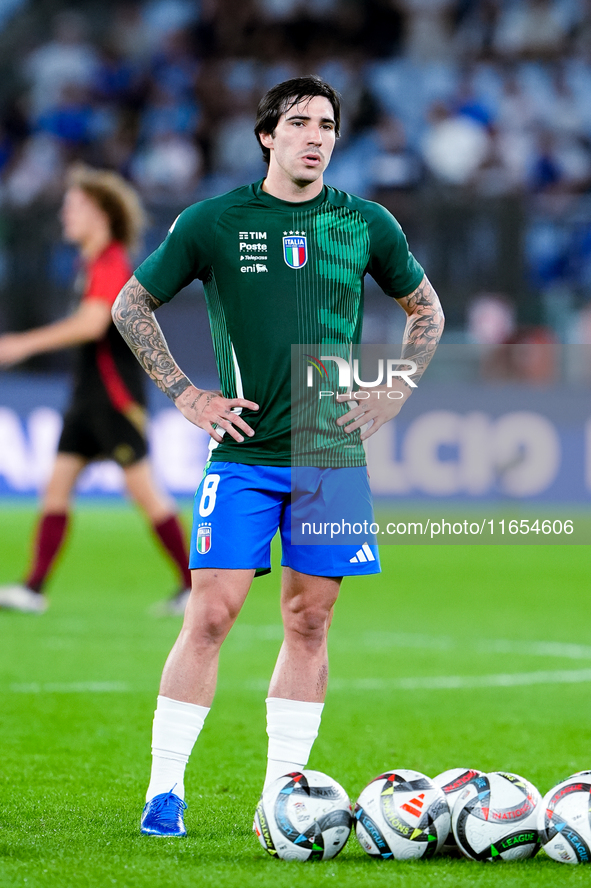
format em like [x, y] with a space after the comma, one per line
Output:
[278, 274]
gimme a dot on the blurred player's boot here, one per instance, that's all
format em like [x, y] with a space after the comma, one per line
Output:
[163, 816]
[21, 598]
[174, 606]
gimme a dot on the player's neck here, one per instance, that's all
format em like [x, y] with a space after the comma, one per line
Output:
[284, 188]
[95, 244]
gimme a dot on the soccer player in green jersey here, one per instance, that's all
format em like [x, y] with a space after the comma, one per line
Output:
[282, 263]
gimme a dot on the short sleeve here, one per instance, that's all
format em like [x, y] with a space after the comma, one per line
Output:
[391, 264]
[180, 258]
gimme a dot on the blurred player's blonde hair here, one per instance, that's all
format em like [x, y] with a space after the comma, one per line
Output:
[115, 197]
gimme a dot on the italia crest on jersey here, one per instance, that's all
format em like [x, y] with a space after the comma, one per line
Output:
[204, 539]
[295, 250]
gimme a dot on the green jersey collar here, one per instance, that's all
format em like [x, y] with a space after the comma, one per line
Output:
[272, 201]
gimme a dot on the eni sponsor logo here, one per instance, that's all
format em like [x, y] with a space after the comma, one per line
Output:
[256, 269]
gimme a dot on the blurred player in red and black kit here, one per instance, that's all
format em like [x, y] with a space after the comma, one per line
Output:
[106, 418]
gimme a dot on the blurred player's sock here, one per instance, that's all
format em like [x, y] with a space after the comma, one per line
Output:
[292, 727]
[48, 540]
[172, 538]
[174, 732]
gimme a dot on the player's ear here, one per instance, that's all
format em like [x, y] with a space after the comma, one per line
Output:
[266, 140]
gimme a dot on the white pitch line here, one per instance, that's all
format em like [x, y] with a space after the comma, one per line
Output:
[461, 682]
[427, 683]
[247, 635]
[537, 648]
[73, 687]
[437, 682]
[565, 650]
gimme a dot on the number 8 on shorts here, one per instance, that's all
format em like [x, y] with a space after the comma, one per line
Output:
[208, 495]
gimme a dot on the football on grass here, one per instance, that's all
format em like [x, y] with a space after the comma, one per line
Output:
[401, 815]
[303, 816]
[564, 820]
[453, 783]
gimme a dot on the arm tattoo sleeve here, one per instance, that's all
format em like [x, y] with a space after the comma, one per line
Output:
[133, 315]
[424, 326]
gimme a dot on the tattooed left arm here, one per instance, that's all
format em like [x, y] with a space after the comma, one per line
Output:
[424, 326]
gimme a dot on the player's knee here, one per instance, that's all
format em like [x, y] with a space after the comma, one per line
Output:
[309, 623]
[211, 623]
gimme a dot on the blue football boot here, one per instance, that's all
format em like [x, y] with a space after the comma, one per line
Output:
[163, 816]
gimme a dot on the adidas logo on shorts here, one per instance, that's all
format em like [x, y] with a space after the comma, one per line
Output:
[364, 554]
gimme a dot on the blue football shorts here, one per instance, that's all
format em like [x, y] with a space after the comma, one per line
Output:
[324, 517]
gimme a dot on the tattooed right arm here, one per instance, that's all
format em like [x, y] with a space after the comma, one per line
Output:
[133, 315]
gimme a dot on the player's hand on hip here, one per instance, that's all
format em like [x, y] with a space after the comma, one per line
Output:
[205, 408]
[375, 406]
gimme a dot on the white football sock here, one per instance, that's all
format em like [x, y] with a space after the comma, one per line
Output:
[292, 726]
[175, 729]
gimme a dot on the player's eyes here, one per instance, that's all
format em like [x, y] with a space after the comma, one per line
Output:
[324, 126]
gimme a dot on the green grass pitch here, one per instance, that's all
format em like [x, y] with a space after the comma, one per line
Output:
[416, 656]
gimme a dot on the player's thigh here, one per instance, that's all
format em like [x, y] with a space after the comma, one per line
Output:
[236, 514]
[66, 469]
